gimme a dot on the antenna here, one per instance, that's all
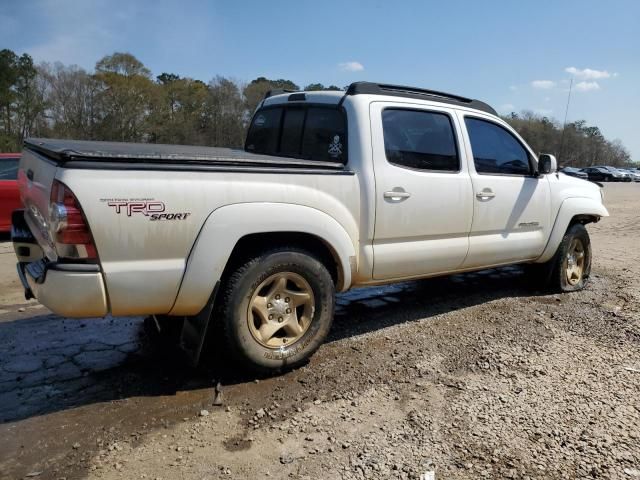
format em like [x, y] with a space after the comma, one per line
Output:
[564, 125]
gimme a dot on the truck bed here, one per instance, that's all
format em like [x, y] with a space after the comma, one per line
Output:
[120, 155]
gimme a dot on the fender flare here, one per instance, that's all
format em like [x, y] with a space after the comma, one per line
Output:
[225, 226]
[569, 208]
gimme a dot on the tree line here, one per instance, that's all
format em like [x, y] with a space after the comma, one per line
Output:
[575, 145]
[121, 101]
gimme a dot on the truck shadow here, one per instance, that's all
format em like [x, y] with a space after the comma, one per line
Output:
[364, 310]
[49, 363]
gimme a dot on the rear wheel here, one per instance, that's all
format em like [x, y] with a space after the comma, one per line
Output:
[276, 309]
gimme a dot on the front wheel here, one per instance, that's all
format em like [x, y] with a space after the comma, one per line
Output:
[276, 309]
[571, 265]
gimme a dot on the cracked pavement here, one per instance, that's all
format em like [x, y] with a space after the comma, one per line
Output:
[47, 362]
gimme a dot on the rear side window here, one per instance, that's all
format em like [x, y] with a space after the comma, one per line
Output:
[9, 168]
[496, 150]
[264, 133]
[419, 139]
[309, 132]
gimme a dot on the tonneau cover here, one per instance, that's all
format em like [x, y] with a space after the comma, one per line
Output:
[65, 151]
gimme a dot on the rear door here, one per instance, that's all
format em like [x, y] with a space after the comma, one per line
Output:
[511, 204]
[423, 191]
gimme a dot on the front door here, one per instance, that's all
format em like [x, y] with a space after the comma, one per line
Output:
[423, 191]
[511, 204]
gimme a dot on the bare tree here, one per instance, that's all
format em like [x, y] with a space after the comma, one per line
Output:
[226, 114]
[71, 99]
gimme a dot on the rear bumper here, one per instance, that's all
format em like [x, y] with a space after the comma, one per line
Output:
[65, 289]
[72, 290]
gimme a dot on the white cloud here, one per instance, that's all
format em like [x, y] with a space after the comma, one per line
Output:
[76, 32]
[543, 84]
[81, 32]
[545, 112]
[507, 108]
[66, 49]
[351, 66]
[513, 88]
[589, 74]
[587, 86]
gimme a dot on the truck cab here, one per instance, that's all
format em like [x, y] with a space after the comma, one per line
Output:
[447, 185]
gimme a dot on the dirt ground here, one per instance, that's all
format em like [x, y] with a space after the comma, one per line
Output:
[467, 377]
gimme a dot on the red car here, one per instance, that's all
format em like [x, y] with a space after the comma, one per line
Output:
[9, 196]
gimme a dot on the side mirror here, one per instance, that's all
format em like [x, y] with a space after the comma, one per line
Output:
[547, 164]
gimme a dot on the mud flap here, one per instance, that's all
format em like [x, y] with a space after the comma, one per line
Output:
[194, 330]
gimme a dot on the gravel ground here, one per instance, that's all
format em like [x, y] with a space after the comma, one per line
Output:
[472, 376]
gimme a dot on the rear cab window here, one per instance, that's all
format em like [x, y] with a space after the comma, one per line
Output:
[311, 132]
[9, 168]
[419, 139]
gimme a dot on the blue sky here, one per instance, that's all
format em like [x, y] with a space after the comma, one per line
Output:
[513, 54]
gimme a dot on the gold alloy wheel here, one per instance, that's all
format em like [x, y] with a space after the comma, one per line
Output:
[281, 310]
[574, 263]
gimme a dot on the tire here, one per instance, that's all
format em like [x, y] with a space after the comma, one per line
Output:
[276, 310]
[571, 265]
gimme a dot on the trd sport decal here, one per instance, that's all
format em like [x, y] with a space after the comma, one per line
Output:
[148, 207]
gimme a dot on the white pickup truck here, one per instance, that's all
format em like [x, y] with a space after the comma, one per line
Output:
[333, 190]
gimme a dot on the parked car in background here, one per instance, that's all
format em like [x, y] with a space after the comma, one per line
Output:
[635, 174]
[575, 172]
[626, 176]
[622, 175]
[601, 174]
[9, 194]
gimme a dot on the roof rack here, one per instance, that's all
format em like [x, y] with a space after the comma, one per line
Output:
[278, 91]
[369, 88]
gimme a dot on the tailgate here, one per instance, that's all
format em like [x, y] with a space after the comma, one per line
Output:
[35, 179]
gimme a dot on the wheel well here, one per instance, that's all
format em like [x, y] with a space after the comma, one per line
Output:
[584, 219]
[255, 243]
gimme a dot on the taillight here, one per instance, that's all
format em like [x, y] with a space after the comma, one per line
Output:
[68, 227]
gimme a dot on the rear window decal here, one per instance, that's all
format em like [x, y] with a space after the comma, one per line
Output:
[335, 147]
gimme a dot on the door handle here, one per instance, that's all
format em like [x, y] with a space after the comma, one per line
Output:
[396, 195]
[486, 193]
